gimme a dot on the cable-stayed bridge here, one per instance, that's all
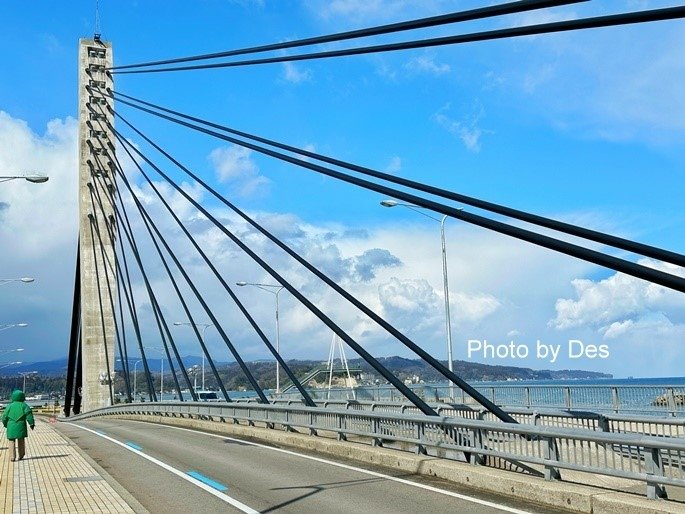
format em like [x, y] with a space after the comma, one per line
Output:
[127, 178]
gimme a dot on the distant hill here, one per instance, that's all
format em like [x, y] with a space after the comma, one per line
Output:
[264, 370]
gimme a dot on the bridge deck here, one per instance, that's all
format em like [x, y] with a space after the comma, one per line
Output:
[53, 477]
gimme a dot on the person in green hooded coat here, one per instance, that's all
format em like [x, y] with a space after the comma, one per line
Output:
[15, 418]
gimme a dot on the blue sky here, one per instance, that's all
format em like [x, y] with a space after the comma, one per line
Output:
[586, 127]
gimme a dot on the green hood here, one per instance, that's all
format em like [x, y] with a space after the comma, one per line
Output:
[18, 396]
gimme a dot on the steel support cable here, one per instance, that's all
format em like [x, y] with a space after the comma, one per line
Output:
[108, 265]
[433, 21]
[209, 312]
[567, 228]
[74, 336]
[180, 296]
[308, 400]
[408, 393]
[205, 351]
[384, 324]
[120, 331]
[197, 294]
[130, 300]
[669, 13]
[630, 268]
[306, 397]
[157, 311]
[102, 315]
[159, 318]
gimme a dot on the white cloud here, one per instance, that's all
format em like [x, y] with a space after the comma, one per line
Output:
[395, 270]
[621, 304]
[625, 96]
[428, 65]
[394, 166]
[234, 165]
[467, 130]
[38, 215]
[294, 74]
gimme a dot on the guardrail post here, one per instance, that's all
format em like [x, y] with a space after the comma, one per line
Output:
[654, 465]
[341, 433]
[528, 397]
[615, 399]
[551, 451]
[376, 441]
[567, 397]
[603, 423]
[420, 432]
[478, 459]
[312, 430]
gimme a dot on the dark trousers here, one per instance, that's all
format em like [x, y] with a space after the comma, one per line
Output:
[21, 443]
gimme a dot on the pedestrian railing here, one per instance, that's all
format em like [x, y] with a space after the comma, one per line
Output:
[627, 399]
[660, 426]
[545, 450]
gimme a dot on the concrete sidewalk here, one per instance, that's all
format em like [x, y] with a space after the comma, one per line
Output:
[54, 477]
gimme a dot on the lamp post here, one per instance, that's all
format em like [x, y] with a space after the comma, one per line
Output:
[193, 371]
[13, 325]
[448, 323]
[274, 289]
[26, 374]
[135, 377]
[161, 377]
[204, 326]
[36, 179]
[25, 280]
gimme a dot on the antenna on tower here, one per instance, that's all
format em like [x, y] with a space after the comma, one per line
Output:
[97, 34]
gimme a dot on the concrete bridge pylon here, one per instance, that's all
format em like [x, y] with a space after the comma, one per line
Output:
[97, 225]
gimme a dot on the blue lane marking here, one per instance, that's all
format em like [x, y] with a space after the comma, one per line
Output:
[133, 445]
[208, 481]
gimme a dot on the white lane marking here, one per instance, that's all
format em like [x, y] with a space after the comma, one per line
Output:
[360, 470]
[238, 505]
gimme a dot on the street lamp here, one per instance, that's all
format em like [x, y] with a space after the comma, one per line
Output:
[12, 325]
[26, 374]
[274, 289]
[448, 324]
[26, 280]
[161, 378]
[193, 371]
[36, 179]
[204, 326]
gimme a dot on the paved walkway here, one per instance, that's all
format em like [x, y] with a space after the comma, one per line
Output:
[53, 477]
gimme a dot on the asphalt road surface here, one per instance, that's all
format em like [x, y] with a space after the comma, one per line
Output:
[170, 469]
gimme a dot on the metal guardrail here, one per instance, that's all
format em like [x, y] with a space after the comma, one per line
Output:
[615, 423]
[636, 399]
[656, 461]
